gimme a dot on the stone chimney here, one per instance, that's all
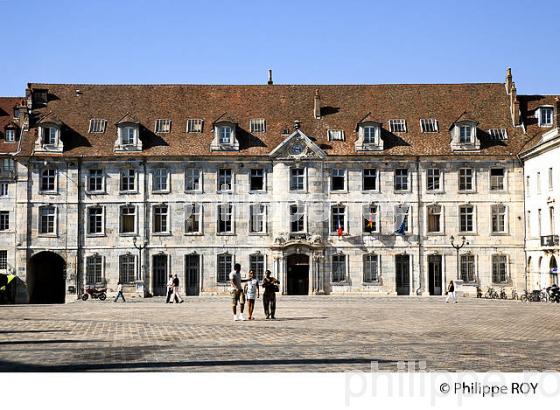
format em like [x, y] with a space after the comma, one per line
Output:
[514, 105]
[509, 81]
[270, 77]
[317, 105]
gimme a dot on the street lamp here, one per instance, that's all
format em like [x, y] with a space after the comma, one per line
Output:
[457, 248]
[139, 275]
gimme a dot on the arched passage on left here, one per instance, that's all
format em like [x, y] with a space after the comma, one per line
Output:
[46, 278]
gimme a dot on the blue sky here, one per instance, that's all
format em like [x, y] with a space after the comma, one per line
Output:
[304, 42]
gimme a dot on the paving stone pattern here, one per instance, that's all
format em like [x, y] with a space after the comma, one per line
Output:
[313, 334]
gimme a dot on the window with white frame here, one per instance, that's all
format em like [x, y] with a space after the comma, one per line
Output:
[193, 179]
[397, 125]
[433, 179]
[550, 179]
[161, 219]
[434, 219]
[127, 268]
[257, 218]
[499, 269]
[402, 215]
[545, 116]
[498, 218]
[50, 135]
[401, 179]
[10, 135]
[128, 135]
[498, 134]
[338, 268]
[194, 125]
[256, 179]
[538, 183]
[94, 270]
[428, 125]
[370, 218]
[465, 134]
[95, 180]
[369, 179]
[551, 223]
[193, 218]
[97, 126]
[529, 225]
[3, 259]
[257, 125]
[225, 180]
[4, 220]
[466, 179]
[468, 273]
[466, 218]
[338, 179]
[371, 269]
[528, 186]
[160, 180]
[297, 218]
[47, 220]
[539, 221]
[335, 135]
[95, 220]
[256, 264]
[370, 134]
[4, 189]
[224, 263]
[224, 133]
[48, 180]
[127, 223]
[128, 180]
[338, 218]
[163, 126]
[225, 216]
[497, 177]
[7, 165]
[297, 179]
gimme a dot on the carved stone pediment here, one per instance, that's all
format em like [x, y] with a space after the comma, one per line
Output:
[298, 146]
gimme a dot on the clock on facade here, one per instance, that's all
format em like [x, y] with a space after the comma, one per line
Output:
[296, 149]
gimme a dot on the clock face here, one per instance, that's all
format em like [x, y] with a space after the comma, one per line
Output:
[296, 149]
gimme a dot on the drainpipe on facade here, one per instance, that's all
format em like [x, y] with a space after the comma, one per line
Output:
[143, 263]
[420, 243]
[80, 233]
[526, 272]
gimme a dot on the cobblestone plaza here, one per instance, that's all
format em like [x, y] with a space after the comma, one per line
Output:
[312, 334]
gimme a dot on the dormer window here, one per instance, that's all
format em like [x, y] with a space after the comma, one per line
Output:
[49, 135]
[128, 135]
[335, 135]
[397, 125]
[465, 134]
[225, 134]
[10, 135]
[224, 137]
[194, 125]
[163, 126]
[97, 125]
[369, 137]
[257, 125]
[545, 115]
[428, 125]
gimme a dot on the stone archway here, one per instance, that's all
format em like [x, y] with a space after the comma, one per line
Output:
[46, 278]
[553, 270]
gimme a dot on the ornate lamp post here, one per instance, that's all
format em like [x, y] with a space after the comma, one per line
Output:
[140, 272]
[457, 248]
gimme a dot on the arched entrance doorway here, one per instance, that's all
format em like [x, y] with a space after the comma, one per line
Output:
[298, 275]
[46, 276]
[553, 270]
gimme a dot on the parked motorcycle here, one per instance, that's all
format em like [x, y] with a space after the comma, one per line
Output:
[491, 294]
[95, 293]
[553, 293]
[503, 294]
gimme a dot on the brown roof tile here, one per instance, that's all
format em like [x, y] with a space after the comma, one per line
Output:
[7, 105]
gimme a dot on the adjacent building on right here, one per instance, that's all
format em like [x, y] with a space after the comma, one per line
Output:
[541, 165]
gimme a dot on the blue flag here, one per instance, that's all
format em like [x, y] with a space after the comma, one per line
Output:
[401, 219]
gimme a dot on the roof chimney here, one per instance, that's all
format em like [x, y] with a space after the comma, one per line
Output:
[514, 105]
[317, 105]
[270, 77]
[509, 80]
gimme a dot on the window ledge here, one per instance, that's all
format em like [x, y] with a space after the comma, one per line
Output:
[435, 233]
[256, 192]
[468, 233]
[188, 191]
[161, 192]
[343, 283]
[467, 192]
[435, 192]
[372, 284]
[128, 192]
[47, 235]
[125, 234]
[96, 192]
[49, 193]
[258, 233]
[161, 234]
[371, 191]
[194, 233]
[225, 234]
[499, 234]
[95, 235]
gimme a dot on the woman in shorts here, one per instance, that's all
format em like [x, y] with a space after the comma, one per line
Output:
[251, 293]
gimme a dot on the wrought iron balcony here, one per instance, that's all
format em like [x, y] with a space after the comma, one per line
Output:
[550, 240]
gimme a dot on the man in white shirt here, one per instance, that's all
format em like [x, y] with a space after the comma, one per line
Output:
[236, 291]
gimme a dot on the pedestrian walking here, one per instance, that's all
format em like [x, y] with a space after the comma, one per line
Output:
[169, 289]
[270, 286]
[176, 297]
[119, 292]
[451, 293]
[236, 291]
[252, 292]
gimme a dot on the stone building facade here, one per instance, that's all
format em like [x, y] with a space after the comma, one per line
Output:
[335, 189]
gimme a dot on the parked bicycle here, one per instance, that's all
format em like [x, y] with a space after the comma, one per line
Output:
[514, 295]
[503, 294]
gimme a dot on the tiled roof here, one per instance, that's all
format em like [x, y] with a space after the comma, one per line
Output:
[7, 105]
[342, 107]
